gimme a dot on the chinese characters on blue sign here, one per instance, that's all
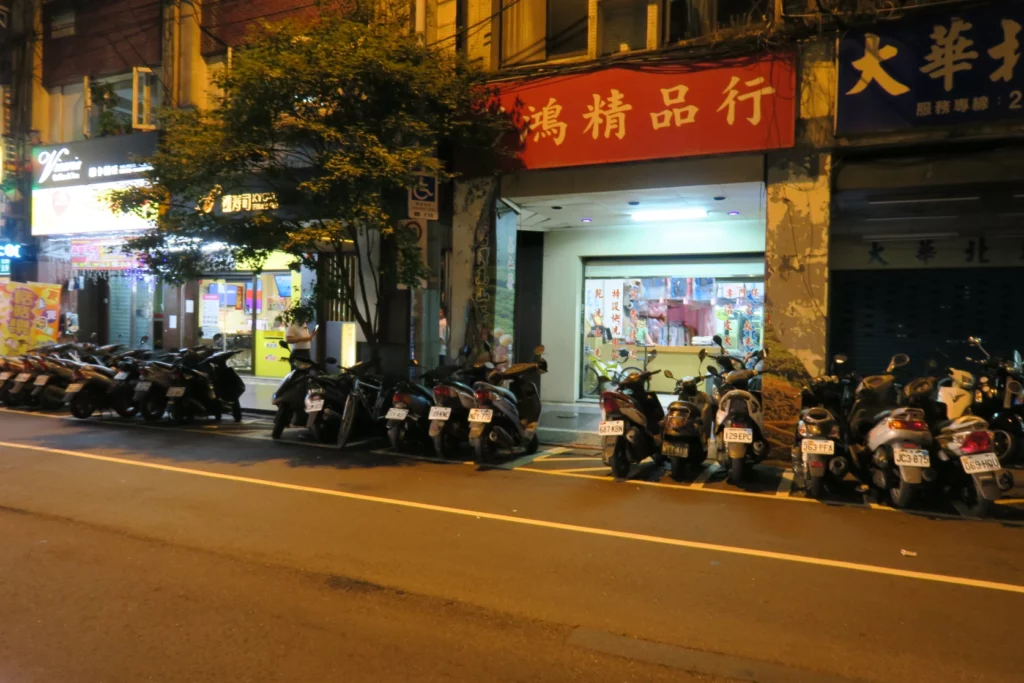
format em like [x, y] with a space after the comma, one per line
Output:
[942, 70]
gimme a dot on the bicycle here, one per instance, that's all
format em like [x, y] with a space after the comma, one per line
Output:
[597, 368]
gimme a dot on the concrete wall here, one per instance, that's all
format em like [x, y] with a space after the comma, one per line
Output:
[562, 303]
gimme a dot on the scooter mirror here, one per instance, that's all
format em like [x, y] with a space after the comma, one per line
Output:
[283, 344]
[414, 363]
[974, 341]
[702, 354]
[145, 339]
[653, 353]
[539, 349]
[717, 339]
[668, 373]
[330, 360]
[489, 365]
[713, 370]
[898, 361]
[839, 359]
[93, 337]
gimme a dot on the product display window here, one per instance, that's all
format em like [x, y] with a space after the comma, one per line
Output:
[677, 308]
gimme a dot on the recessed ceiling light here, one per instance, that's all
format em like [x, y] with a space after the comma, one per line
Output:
[634, 203]
[653, 215]
[584, 220]
[557, 208]
[720, 198]
[734, 213]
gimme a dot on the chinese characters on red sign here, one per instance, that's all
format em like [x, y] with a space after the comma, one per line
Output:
[620, 114]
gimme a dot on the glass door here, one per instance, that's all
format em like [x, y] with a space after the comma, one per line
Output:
[226, 306]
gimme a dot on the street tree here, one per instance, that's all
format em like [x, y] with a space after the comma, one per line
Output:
[320, 128]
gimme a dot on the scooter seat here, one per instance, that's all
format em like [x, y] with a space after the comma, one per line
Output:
[101, 369]
[740, 376]
[962, 424]
[501, 391]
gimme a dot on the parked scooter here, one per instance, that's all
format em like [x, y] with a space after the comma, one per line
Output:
[820, 457]
[411, 405]
[999, 398]
[205, 385]
[454, 397]
[893, 435]
[738, 425]
[291, 397]
[507, 418]
[631, 424]
[969, 468]
[684, 437]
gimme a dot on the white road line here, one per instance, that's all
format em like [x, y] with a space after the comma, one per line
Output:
[786, 485]
[705, 475]
[545, 524]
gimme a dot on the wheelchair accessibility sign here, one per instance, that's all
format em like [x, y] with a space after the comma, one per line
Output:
[423, 198]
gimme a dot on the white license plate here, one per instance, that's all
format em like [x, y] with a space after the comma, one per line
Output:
[976, 464]
[735, 435]
[911, 457]
[142, 386]
[175, 392]
[397, 414]
[41, 380]
[817, 447]
[439, 413]
[74, 388]
[675, 450]
[314, 405]
[23, 377]
[121, 376]
[481, 415]
[611, 428]
[4, 376]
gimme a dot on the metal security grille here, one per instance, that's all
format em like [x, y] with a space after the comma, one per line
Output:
[341, 268]
[875, 314]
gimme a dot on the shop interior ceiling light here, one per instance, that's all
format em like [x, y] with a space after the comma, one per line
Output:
[654, 215]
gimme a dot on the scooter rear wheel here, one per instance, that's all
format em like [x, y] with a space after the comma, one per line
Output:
[153, 407]
[396, 435]
[816, 488]
[83, 406]
[736, 468]
[901, 495]
[620, 460]
[445, 444]
[281, 420]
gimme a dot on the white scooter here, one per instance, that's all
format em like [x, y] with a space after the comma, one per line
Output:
[957, 393]
[970, 468]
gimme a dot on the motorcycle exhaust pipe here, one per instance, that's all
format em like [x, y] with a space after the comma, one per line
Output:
[501, 437]
[838, 467]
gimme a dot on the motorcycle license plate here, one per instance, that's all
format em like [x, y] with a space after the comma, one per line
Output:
[817, 447]
[397, 414]
[611, 428]
[41, 380]
[911, 457]
[4, 376]
[314, 405]
[675, 450]
[481, 415]
[976, 464]
[23, 377]
[121, 376]
[175, 392]
[438, 413]
[142, 387]
[74, 388]
[737, 435]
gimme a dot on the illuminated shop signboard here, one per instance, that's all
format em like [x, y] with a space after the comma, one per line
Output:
[71, 183]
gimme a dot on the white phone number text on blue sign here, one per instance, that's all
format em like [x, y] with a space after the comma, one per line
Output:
[943, 70]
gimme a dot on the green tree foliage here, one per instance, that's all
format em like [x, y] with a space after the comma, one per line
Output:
[335, 116]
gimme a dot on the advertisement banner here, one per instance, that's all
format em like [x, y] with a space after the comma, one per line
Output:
[948, 69]
[633, 114]
[101, 254]
[32, 316]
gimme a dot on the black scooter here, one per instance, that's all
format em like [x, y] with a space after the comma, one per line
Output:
[684, 437]
[294, 407]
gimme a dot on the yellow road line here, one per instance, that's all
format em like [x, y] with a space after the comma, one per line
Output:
[552, 451]
[786, 485]
[575, 459]
[545, 524]
[587, 469]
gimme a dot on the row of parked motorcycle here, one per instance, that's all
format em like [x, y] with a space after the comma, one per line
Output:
[903, 437]
[442, 410]
[180, 384]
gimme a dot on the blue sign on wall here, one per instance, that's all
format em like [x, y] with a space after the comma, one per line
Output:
[943, 70]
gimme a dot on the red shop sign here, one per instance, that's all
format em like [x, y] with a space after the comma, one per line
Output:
[633, 114]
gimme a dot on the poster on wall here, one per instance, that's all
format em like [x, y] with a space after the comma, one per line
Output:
[32, 316]
[505, 286]
[209, 314]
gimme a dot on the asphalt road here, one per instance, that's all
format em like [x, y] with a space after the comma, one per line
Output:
[133, 554]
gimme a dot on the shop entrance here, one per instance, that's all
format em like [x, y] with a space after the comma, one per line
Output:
[248, 310]
[630, 270]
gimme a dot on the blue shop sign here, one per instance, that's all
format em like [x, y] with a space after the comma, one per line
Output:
[945, 70]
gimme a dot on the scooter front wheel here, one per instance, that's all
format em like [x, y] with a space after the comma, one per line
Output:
[236, 410]
[153, 407]
[737, 462]
[483, 449]
[445, 444]
[281, 420]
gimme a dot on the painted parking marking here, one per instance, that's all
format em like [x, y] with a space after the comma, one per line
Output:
[547, 524]
[551, 451]
[786, 485]
[603, 468]
[706, 474]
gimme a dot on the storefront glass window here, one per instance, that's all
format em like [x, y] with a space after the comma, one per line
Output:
[678, 308]
[226, 307]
